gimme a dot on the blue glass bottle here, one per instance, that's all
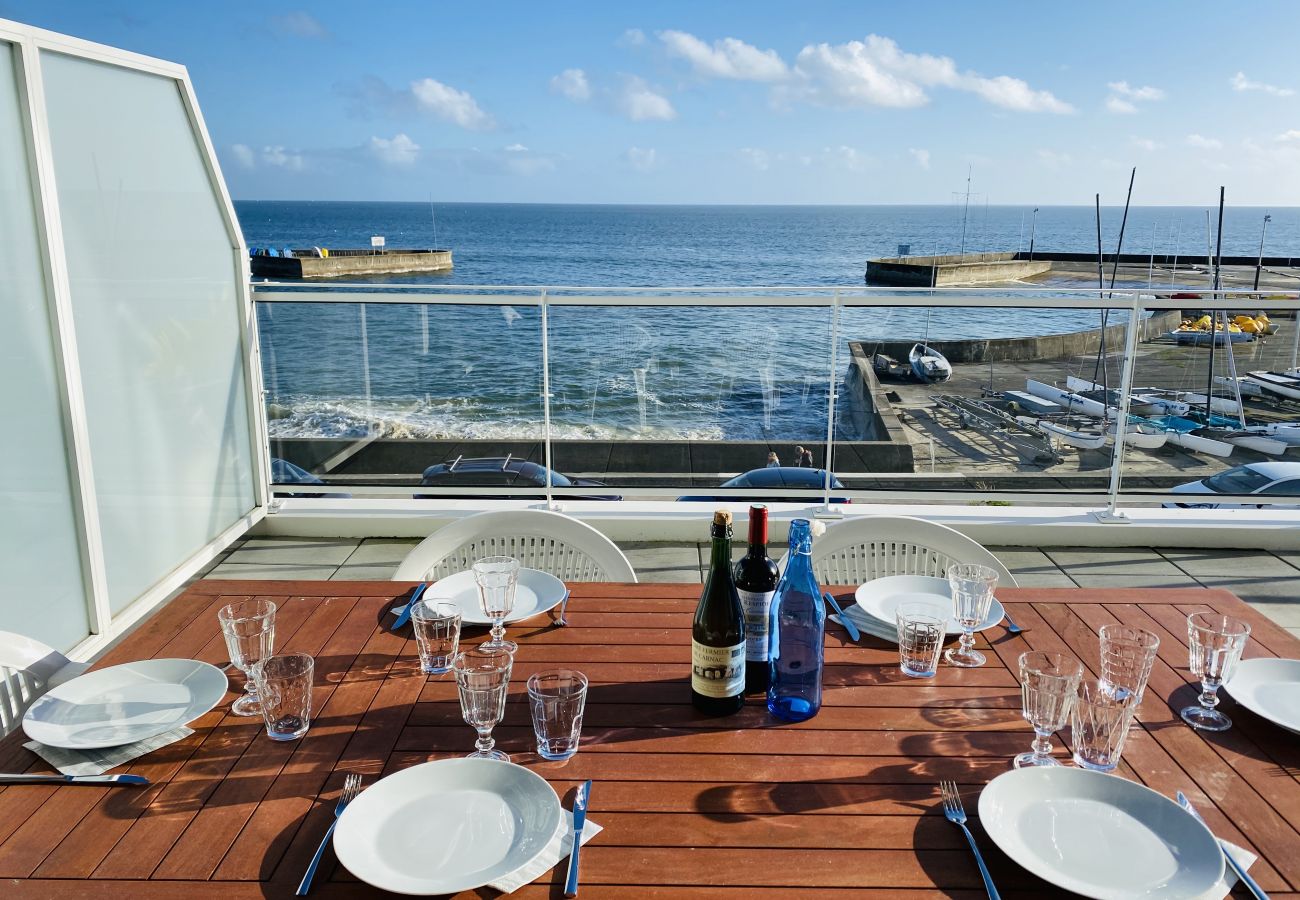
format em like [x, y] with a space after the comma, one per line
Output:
[797, 624]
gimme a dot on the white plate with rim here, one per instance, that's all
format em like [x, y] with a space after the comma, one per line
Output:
[126, 703]
[880, 598]
[536, 592]
[1099, 835]
[447, 826]
[1270, 688]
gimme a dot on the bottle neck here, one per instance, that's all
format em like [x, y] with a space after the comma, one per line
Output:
[800, 540]
[758, 531]
[721, 561]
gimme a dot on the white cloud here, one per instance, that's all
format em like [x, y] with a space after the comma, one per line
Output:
[573, 84]
[725, 58]
[1147, 144]
[285, 159]
[846, 156]
[759, 159]
[879, 73]
[632, 37]
[1204, 143]
[1292, 136]
[1147, 92]
[299, 24]
[922, 157]
[1240, 82]
[398, 150]
[516, 148]
[1053, 159]
[1119, 105]
[245, 156]
[641, 159]
[450, 104]
[640, 102]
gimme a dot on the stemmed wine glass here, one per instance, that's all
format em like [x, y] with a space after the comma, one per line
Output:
[249, 629]
[1214, 645]
[1049, 683]
[972, 594]
[497, 578]
[483, 680]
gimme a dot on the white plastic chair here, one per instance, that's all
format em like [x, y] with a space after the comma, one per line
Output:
[859, 550]
[28, 669]
[550, 541]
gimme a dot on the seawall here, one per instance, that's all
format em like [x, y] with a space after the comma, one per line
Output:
[351, 262]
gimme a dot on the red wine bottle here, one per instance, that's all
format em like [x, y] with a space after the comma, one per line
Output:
[718, 633]
[756, 575]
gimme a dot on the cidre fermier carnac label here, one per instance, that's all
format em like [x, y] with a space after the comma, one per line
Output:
[717, 671]
[757, 605]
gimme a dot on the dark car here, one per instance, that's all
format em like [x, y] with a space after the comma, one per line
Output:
[779, 477]
[285, 472]
[499, 471]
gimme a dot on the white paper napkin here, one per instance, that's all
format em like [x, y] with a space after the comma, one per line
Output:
[97, 762]
[556, 851]
[868, 624]
[1244, 857]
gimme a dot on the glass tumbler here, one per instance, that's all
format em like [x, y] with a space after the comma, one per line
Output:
[483, 680]
[497, 577]
[922, 628]
[1049, 683]
[249, 629]
[557, 699]
[972, 596]
[1127, 654]
[1099, 724]
[1214, 645]
[285, 685]
[436, 624]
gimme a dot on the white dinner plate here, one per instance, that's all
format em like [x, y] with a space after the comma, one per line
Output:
[1099, 835]
[880, 598]
[537, 592]
[447, 826]
[126, 703]
[1269, 688]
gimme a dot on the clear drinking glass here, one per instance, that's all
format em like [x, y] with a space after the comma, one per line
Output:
[1099, 724]
[972, 595]
[497, 577]
[557, 699]
[1049, 683]
[285, 685]
[483, 680]
[249, 629]
[1127, 654]
[1214, 645]
[922, 628]
[436, 624]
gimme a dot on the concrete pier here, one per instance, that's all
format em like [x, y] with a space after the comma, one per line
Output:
[953, 269]
[350, 262]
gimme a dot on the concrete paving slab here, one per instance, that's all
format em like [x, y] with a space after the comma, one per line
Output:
[381, 551]
[1277, 598]
[1053, 579]
[277, 572]
[350, 572]
[299, 551]
[1285, 614]
[1111, 561]
[1221, 563]
[654, 562]
[1292, 557]
[1029, 560]
[1179, 580]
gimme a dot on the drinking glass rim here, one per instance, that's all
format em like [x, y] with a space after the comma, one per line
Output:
[1228, 626]
[489, 563]
[936, 612]
[458, 666]
[1092, 692]
[225, 617]
[1046, 670]
[433, 614]
[308, 668]
[535, 680]
[977, 572]
[1135, 635]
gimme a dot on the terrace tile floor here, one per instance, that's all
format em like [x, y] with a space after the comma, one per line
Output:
[1270, 582]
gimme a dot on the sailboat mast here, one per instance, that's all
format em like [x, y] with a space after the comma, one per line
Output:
[1214, 314]
[965, 212]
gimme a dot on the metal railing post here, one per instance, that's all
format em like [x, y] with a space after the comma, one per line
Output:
[830, 406]
[365, 370]
[1121, 423]
[546, 401]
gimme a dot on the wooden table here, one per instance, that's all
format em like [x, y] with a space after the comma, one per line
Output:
[735, 807]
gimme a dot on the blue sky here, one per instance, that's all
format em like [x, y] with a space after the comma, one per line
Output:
[731, 102]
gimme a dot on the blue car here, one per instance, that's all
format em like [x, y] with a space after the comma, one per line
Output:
[503, 471]
[285, 472]
[778, 477]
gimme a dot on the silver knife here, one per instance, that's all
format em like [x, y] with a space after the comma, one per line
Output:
[74, 779]
[852, 629]
[1236, 866]
[404, 612]
[579, 819]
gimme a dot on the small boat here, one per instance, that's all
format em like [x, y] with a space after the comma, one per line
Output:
[887, 367]
[1140, 434]
[1203, 337]
[929, 364]
[1277, 383]
[1080, 440]
[1069, 399]
[1031, 404]
[1242, 385]
[1179, 432]
[1217, 404]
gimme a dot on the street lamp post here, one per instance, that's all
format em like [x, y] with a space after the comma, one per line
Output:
[1259, 264]
[1032, 230]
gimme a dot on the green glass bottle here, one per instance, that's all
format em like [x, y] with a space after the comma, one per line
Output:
[718, 633]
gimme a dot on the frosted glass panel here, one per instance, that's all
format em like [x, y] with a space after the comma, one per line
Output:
[156, 307]
[43, 594]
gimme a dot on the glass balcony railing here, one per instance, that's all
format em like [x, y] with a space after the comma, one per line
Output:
[810, 396]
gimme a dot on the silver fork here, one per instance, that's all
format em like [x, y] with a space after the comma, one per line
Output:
[559, 618]
[351, 787]
[956, 813]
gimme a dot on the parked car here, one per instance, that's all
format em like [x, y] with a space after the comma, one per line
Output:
[778, 477]
[499, 471]
[1264, 479]
[285, 472]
